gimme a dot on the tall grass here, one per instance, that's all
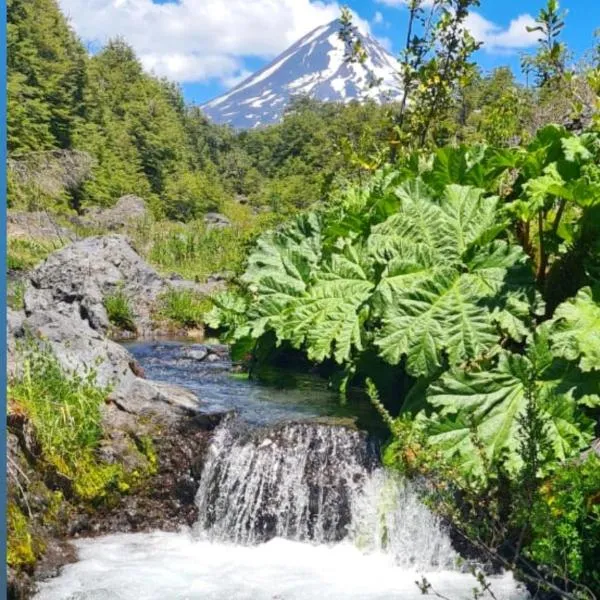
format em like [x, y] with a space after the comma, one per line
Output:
[119, 311]
[184, 308]
[196, 251]
[25, 253]
[65, 412]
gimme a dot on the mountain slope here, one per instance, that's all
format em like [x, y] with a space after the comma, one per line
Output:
[313, 66]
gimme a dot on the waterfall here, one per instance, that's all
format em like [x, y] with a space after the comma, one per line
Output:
[314, 482]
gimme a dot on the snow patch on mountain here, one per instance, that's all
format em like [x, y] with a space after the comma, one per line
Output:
[315, 66]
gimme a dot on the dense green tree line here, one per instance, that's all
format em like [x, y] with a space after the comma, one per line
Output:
[136, 127]
[143, 139]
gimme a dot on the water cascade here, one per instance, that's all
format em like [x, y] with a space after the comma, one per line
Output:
[315, 483]
[292, 506]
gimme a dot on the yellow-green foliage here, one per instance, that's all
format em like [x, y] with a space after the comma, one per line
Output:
[64, 410]
[24, 254]
[22, 548]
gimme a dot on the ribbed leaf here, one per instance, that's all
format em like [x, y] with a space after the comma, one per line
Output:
[576, 329]
[442, 292]
[481, 411]
[330, 315]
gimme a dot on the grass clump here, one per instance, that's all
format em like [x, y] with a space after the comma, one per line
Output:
[196, 251]
[184, 308]
[24, 254]
[119, 311]
[64, 410]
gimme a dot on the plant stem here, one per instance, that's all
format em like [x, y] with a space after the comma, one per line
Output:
[543, 258]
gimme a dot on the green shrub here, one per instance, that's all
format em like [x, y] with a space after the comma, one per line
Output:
[566, 523]
[119, 310]
[184, 307]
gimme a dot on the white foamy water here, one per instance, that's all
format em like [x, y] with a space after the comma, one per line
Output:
[176, 566]
[293, 511]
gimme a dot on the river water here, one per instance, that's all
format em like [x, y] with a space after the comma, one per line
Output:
[292, 506]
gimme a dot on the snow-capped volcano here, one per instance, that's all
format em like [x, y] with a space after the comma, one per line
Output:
[315, 65]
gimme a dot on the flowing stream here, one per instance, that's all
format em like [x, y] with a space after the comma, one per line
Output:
[292, 506]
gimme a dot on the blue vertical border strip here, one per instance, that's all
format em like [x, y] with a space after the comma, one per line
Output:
[3, 568]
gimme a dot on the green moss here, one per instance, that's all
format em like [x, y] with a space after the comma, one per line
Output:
[55, 505]
[23, 547]
[146, 446]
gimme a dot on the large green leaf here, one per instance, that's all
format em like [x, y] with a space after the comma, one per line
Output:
[281, 270]
[479, 415]
[440, 315]
[446, 286]
[576, 329]
[328, 318]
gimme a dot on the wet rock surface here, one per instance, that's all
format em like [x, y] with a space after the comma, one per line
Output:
[64, 312]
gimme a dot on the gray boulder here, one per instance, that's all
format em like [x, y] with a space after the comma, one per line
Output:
[80, 349]
[214, 220]
[75, 281]
[127, 210]
[38, 226]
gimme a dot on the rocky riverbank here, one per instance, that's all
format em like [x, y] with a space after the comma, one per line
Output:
[156, 433]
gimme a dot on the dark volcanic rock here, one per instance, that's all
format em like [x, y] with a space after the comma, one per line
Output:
[167, 501]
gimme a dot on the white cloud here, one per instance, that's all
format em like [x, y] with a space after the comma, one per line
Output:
[400, 3]
[497, 39]
[195, 40]
[231, 82]
[378, 18]
[494, 37]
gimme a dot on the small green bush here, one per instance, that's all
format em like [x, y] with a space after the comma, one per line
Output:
[566, 523]
[119, 310]
[184, 307]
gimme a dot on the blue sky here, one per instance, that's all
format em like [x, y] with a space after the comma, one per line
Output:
[210, 45]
